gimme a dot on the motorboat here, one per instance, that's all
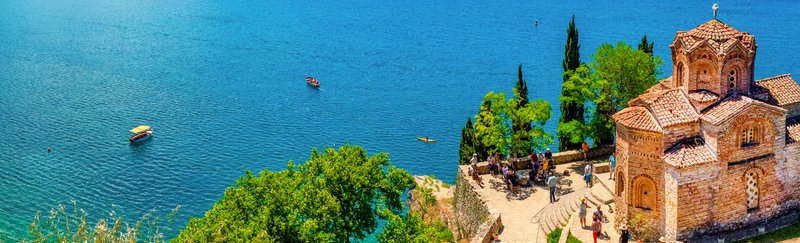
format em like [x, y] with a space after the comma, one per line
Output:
[140, 133]
[313, 82]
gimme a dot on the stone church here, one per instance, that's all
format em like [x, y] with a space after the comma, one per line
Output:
[710, 149]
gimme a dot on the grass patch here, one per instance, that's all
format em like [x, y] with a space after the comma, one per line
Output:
[787, 233]
[554, 235]
[572, 239]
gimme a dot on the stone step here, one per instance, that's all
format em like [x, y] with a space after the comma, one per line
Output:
[591, 201]
[603, 195]
[562, 214]
[554, 220]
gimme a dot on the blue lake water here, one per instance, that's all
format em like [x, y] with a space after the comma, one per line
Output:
[222, 84]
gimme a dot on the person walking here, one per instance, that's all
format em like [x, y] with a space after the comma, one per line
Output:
[597, 227]
[534, 170]
[551, 182]
[587, 174]
[582, 211]
[612, 166]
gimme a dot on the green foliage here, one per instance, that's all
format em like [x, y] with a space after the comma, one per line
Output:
[579, 90]
[334, 197]
[62, 225]
[789, 233]
[572, 239]
[469, 144]
[615, 75]
[644, 227]
[646, 47]
[494, 125]
[554, 235]
[630, 72]
[521, 94]
[414, 226]
[571, 110]
[485, 117]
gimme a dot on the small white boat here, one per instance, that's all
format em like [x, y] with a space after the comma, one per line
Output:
[140, 133]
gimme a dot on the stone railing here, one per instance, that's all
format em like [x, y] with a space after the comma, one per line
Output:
[562, 157]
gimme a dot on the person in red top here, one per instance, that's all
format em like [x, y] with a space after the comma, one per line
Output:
[585, 147]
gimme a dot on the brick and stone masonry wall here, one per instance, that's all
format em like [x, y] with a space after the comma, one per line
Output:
[694, 197]
[713, 198]
[671, 203]
[471, 211]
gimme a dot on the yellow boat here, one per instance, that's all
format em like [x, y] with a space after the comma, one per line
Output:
[426, 139]
[140, 133]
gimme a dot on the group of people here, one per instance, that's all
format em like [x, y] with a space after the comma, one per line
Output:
[597, 219]
[540, 165]
[495, 168]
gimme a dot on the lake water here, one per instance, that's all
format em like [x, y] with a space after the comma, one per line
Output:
[222, 84]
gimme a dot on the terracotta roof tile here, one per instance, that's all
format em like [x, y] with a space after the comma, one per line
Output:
[689, 152]
[637, 118]
[729, 107]
[783, 90]
[714, 30]
[664, 84]
[792, 130]
[672, 107]
[718, 35]
[703, 96]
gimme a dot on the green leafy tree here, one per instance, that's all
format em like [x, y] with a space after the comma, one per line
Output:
[573, 111]
[615, 75]
[422, 223]
[487, 128]
[413, 228]
[334, 197]
[645, 46]
[579, 86]
[494, 126]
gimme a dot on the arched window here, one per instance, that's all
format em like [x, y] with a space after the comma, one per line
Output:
[751, 189]
[750, 136]
[732, 79]
[644, 193]
[679, 76]
[620, 183]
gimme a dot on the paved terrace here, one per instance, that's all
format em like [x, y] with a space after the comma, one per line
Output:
[528, 216]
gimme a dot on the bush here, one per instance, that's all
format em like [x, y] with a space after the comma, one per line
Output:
[643, 227]
[572, 239]
[64, 226]
[554, 235]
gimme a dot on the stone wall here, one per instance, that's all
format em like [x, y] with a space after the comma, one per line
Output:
[471, 211]
[676, 133]
[643, 163]
[694, 197]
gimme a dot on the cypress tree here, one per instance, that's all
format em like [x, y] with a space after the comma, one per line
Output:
[645, 46]
[467, 146]
[570, 110]
[521, 91]
[522, 88]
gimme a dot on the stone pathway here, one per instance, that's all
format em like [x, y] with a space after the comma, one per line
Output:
[557, 214]
[528, 216]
